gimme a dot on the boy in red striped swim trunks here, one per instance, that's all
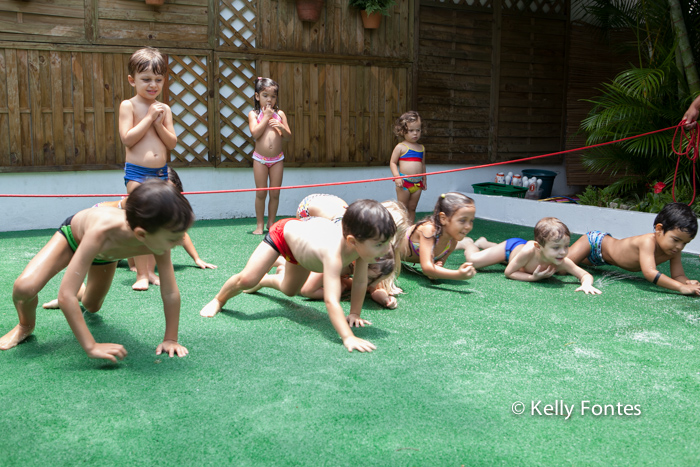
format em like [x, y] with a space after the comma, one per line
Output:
[319, 245]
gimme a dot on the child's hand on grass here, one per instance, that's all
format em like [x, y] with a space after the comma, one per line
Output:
[689, 289]
[107, 351]
[362, 345]
[171, 348]
[589, 289]
[204, 265]
[355, 321]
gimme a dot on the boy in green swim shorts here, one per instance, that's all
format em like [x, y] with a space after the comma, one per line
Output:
[90, 243]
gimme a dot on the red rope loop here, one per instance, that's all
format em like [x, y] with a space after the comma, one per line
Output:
[691, 152]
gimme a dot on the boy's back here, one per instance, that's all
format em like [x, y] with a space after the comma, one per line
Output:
[314, 240]
[626, 252]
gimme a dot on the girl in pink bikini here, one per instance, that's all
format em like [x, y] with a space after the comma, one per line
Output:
[268, 127]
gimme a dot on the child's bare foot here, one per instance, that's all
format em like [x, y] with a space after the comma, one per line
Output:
[52, 305]
[14, 337]
[211, 309]
[153, 278]
[258, 230]
[141, 284]
[132, 268]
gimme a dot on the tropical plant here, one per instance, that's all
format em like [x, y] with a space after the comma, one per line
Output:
[651, 95]
[373, 6]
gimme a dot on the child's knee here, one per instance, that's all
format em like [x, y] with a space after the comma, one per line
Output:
[248, 282]
[92, 306]
[274, 195]
[262, 194]
[24, 289]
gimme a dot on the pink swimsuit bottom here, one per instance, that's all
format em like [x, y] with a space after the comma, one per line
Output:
[268, 161]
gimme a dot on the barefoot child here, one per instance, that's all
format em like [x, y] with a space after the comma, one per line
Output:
[268, 127]
[319, 245]
[533, 261]
[146, 130]
[674, 227]
[432, 240]
[90, 242]
[408, 158]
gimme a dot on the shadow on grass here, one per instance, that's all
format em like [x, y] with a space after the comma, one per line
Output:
[305, 316]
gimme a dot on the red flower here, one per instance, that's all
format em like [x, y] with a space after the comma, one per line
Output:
[659, 187]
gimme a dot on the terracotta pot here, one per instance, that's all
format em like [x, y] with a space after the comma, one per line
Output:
[155, 2]
[309, 10]
[371, 21]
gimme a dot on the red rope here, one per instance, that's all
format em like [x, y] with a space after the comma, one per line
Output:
[317, 185]
[691, 151]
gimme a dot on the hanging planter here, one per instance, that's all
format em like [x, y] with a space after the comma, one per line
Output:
[372, 11]
[309, 10]
[372, 20]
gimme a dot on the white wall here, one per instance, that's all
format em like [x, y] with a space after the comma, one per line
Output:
[41, 213]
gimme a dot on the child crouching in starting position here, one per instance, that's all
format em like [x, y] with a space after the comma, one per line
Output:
[319, 245]
[533, 261]
[674, 227]
[91, 242]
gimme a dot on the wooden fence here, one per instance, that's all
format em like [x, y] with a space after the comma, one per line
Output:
[489, 78]
[63, 75]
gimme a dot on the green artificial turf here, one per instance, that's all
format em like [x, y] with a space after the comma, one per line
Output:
[268, 382]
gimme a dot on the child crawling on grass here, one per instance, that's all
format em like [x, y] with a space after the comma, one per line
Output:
[90, 243]
[674, 227]
[319, 245]
[532, 261]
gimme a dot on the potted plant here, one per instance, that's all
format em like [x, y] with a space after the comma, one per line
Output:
[155, 2]
[372, 11]
[309, 10]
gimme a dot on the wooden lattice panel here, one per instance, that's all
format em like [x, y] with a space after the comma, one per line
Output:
[237, 24]
[188, 98]
[236, 91]
[553, 7]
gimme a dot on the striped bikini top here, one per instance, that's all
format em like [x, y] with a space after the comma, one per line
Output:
[412, 154]
[415, 246]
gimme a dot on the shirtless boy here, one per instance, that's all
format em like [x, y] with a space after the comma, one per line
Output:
[147, 132]
[319, 245]
[674, 227]
[90, 243]
[532, 261]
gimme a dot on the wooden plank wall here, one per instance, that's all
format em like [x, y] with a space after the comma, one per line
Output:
[63, 74]
[492, 78]
[58, 109]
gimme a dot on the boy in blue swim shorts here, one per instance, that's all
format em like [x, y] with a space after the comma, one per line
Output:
[674, 227]
[531, 261]
[146, 129]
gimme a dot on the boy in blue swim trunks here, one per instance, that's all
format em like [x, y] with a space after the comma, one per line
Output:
[146, 129]
[532, 261]
[154, 220]
[674, 227]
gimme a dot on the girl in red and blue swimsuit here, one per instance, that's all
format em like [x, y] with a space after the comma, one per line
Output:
[408, 158]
